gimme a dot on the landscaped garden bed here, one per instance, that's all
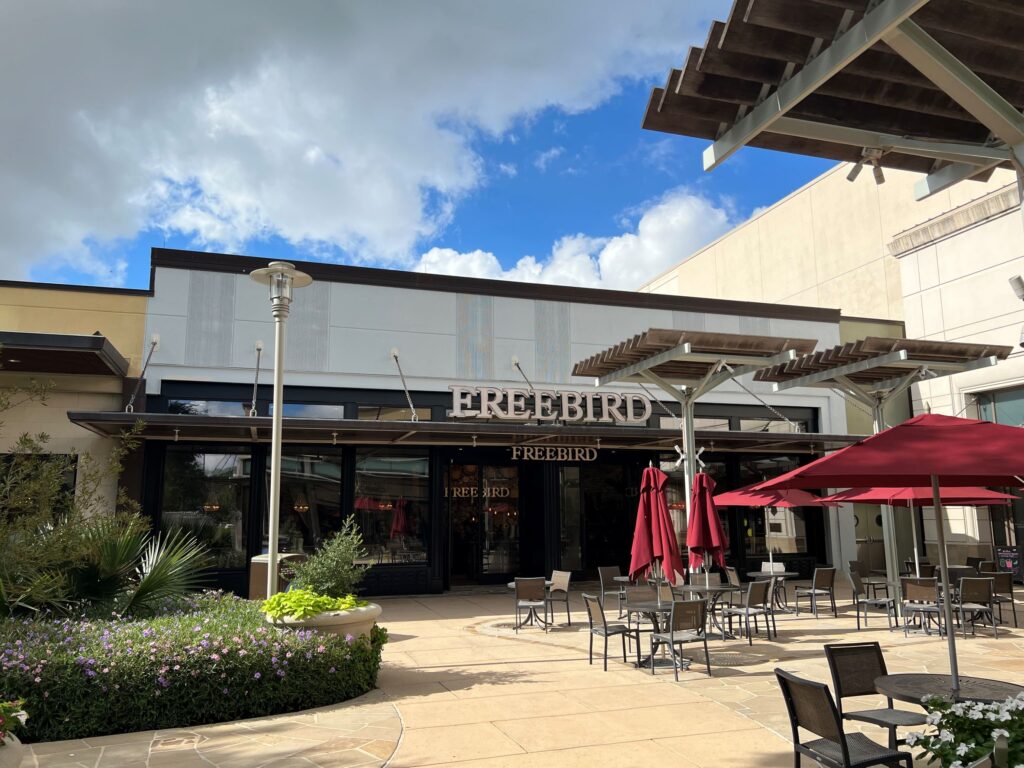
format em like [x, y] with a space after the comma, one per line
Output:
[208, 659]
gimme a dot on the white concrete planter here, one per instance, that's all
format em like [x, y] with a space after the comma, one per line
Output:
[12, 752]
[355, 622]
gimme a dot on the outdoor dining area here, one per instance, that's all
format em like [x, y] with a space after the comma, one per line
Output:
[664, 612]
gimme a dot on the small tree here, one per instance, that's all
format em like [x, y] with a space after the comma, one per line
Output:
[333, 570]
[66, 544]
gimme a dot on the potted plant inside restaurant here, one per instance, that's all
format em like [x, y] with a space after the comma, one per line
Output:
[964, 732]
[321, 593]
[12, 717]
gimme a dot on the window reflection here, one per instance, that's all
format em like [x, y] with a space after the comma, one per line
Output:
[310, 501]
[207, 494]
[208, 407]
[392, 503]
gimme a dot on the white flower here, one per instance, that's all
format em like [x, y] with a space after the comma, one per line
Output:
[999, 732]
[933, 718]
[913, 737]
[963, 749]
[945, 735]
[22, 716]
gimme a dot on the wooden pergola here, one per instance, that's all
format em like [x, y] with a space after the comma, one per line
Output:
[934, 86]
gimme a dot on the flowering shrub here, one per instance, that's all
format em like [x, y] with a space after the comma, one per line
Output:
[967, 731]
[12, 717]
[305, 603]
[211, 658]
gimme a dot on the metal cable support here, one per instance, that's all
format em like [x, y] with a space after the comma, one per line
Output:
[401, 375]
[757, 397]
[256, 381]
[130, 407]
[522, 373]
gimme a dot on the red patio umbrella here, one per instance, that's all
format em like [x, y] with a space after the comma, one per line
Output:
[705, 536]
[749, 496]
[399, 522]
[654, 538]
[921, 496]
[930, 450]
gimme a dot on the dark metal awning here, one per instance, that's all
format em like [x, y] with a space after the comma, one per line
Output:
[182, 427]
[60, 353]
[934, 86]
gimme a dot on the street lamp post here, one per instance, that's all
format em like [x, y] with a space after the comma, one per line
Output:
[282, 278]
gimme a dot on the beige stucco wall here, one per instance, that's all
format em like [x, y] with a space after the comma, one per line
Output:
[825, 245]
[119, 317]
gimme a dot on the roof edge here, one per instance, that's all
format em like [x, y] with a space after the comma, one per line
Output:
[338, 273]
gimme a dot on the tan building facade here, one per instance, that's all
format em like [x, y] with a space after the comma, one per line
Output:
[48, 340]
[939, 265]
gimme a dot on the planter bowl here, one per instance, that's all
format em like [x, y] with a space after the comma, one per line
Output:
[355, 622]
[12, 752]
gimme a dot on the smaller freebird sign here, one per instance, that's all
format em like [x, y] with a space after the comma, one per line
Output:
[520, 404]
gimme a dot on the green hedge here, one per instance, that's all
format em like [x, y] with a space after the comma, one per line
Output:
[215, 660]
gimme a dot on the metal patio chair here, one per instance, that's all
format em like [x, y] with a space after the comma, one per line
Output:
[1002, 593]
[855, 667]
[920, 601]
[872, 583]
[822, 585]
[686, 624]
[606, 575]
[861, 600]
[599, 626]
[975, 563]
[558, 592]
[987, 566]
[811, 707]
[974, 600]
[756, 603]
[529, 597]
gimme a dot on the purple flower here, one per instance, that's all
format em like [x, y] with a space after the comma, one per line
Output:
[257, 676]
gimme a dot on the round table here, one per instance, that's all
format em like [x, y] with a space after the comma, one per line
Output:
[653, 610]
[532, 619]
[779, 600]
[914, 687]
[714, 594]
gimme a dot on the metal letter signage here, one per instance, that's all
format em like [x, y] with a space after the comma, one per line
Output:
[552, 453]
[517, 404]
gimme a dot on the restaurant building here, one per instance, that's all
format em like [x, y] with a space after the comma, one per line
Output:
[441, 413]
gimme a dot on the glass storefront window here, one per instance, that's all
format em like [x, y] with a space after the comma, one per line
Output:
[783, 530]
[1005, 406]
[311, 411]
[571, 520]
[391, 413]
[206, 492]
[773, 425]
[208, 407]
[310, 501]
[392, 503]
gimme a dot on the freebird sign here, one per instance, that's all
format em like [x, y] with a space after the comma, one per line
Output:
[521, 404]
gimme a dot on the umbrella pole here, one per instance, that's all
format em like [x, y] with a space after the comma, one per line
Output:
[913, 530]
[947, 605]
[767, 544]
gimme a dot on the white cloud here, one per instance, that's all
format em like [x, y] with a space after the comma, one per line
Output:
[543, 159]
[508, 169]
[343, 125]
[668, 231]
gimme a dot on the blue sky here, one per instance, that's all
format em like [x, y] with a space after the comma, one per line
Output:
[488, 154]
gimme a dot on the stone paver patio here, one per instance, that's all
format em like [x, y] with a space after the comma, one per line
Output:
[458, 687]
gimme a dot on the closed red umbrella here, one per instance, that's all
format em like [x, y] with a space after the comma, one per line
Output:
[654, 538]
[705, 536]
[399, 522]
[940, 451]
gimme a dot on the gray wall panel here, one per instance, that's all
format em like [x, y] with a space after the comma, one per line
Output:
[552, 342]
[211, 313]
[474, 331]
[307, 343]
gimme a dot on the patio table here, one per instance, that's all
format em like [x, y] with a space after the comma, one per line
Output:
[532, 619]
[653, 610]
[780, 601]
[914, 687]
[713, 594]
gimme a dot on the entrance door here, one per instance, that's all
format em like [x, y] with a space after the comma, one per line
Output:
[483, 506]
[870, 543]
